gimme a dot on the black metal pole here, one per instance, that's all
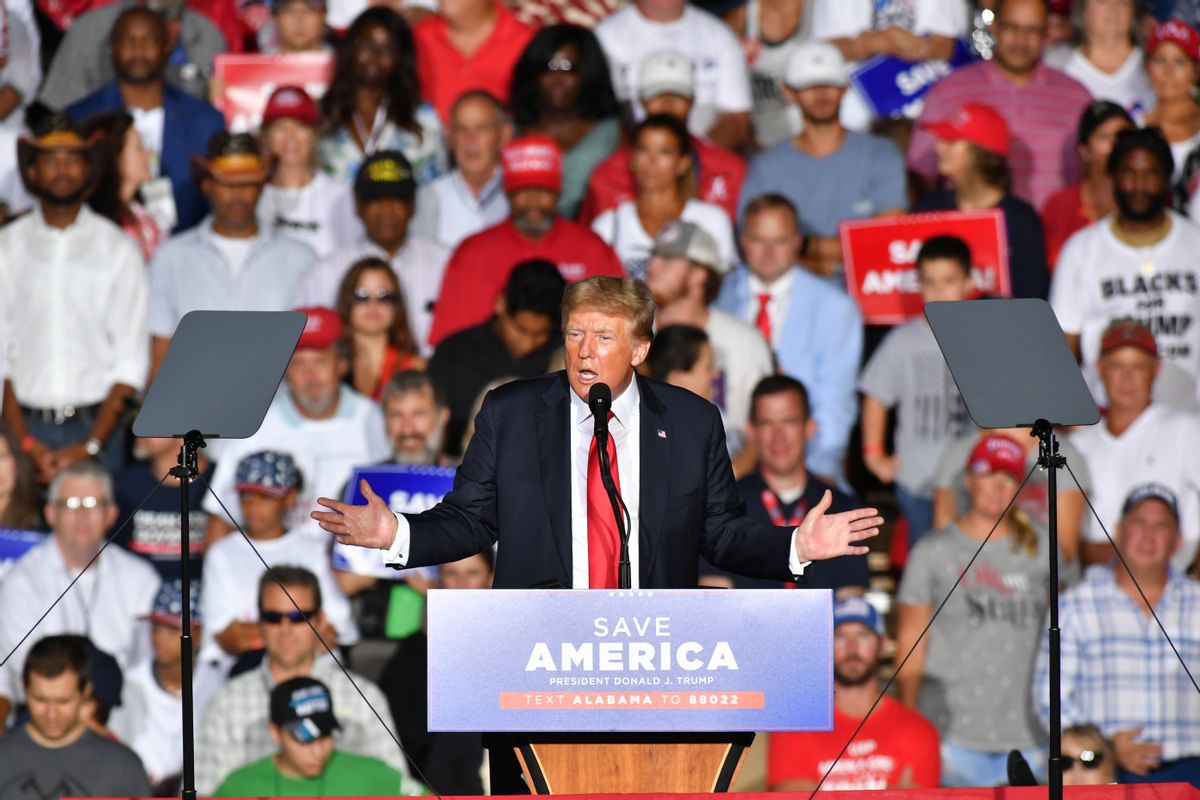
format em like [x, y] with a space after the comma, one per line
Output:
[187, 469]
[1049, 458]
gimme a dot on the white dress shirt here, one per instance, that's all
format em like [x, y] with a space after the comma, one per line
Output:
[625, 428]
[75, 305]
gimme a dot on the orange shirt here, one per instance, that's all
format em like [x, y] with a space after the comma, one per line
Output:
[445, 73]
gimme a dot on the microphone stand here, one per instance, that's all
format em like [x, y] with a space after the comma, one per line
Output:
[186, 471]
[1050, 460]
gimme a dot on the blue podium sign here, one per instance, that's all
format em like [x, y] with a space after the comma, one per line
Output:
[652, 660]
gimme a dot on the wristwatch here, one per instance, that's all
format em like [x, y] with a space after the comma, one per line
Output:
[92, 447]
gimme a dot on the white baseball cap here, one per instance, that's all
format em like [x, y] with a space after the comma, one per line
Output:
[666, 73]
[680, 239]
[815, 64]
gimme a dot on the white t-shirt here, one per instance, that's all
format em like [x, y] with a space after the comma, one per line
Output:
[722, 81]
[742, 359]
[149, 722]
[1159, 447]
[307, 214]
[1128, 87]
[623, 231]
[149, 125]
[235, 251]
[1099, 279]
[232, 573]
[325, 451]
[837, 19]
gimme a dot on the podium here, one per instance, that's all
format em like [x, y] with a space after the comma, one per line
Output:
[630, 691]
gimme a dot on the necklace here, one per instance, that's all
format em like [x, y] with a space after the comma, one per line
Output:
[1143, 242]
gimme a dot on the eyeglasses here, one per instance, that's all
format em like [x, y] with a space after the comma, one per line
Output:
[88, 503]
[1088, 759]
[561, 65]
[362, 296]
[276, 617]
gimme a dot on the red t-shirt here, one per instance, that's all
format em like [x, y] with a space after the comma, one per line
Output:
[720, 175]
[1061, 217]
[445, 73]
[894, 741]
[479, 268]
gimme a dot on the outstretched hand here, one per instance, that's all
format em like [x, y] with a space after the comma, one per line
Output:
[373, 525]
[821, 536]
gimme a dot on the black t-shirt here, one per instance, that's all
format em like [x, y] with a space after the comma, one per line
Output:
[1028, 271]
[154, 531]
[469, 360]
[834, 573]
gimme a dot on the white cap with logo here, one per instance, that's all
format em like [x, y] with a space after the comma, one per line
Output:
[666, 73]
[680, 239]
[815, 64]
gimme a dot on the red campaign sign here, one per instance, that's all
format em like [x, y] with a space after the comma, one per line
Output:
[248, 81]
[881, 254]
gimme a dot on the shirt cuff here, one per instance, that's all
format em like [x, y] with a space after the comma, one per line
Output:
[795, 565]
[397, 554]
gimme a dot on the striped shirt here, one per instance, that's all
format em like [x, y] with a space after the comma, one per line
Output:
[1042, 117]
[1118, 671]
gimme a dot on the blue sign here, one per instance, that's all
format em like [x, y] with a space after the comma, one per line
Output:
[893, 87]
[406, 489]
[652, 660]
[15, 543]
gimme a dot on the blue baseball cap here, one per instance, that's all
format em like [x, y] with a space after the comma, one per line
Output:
[856, 609]
[168, 605]
[267, 472]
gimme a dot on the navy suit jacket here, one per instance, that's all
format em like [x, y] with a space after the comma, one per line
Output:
[514, 486]
[188, 123]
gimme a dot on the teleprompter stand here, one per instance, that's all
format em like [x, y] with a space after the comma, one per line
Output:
[217, 381]
[1014, 369]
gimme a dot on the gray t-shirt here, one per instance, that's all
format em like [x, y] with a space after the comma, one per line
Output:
[865, 177]
[980, 657]
[92, 766]
[907, 371]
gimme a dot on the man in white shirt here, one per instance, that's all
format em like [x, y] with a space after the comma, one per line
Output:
[227, 262]
[1140, 263]
[384, 191]
[722, 84]
[108, 600]
[73, 306]
[471, 196]
[1138, 441]
[685, 275]
[325, 425]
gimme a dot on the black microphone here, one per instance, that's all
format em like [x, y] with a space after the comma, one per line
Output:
[600, 402]
[1019, 771]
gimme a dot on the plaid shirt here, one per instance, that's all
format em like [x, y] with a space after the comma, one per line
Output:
[1118, 671]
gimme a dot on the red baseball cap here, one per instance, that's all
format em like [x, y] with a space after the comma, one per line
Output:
[322, 329]
[978, 124]
[1176, 32]
[997, 454]
[1128, 333]
[532, 162]
[290, 102]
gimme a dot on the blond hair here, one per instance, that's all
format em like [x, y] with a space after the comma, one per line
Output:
[620, 297]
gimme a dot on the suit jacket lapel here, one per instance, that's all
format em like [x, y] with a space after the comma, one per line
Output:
[175, 140]
[656, 461]
[554, 459]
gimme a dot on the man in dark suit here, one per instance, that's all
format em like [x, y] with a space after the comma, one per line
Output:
[174, 126]
[529, 477]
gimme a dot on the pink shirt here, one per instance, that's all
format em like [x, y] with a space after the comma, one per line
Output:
[1042, 118]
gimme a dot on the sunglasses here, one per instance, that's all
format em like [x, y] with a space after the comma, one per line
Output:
[561, 65]
[382, 296]
[1088, 759]
[276, 617]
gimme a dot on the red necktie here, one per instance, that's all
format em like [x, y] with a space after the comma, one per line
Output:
[763, 320]
[604, 537]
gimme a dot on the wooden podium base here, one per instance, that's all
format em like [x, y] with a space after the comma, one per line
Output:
[629, 762]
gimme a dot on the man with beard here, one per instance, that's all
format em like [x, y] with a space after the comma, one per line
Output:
[74, 324]
[828, 173]
[415, 416]
[1040, 104]
[327, 427]
[896, 749]
[173, 125]
[685, 274]
[228, 262]
[1138, 263]
[480, 266]
[517, 342]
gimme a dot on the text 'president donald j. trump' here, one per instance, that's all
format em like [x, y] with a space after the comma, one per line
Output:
[530, 477]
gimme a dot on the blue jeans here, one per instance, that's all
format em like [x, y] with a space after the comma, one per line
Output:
[77, 430]
[962, 766]
[918, 511]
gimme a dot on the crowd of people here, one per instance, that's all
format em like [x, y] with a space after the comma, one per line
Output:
[426, 209]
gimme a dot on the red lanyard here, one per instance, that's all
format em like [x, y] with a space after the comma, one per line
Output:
[771, 504]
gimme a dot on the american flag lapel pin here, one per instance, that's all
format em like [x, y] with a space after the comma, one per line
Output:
[662, 434]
